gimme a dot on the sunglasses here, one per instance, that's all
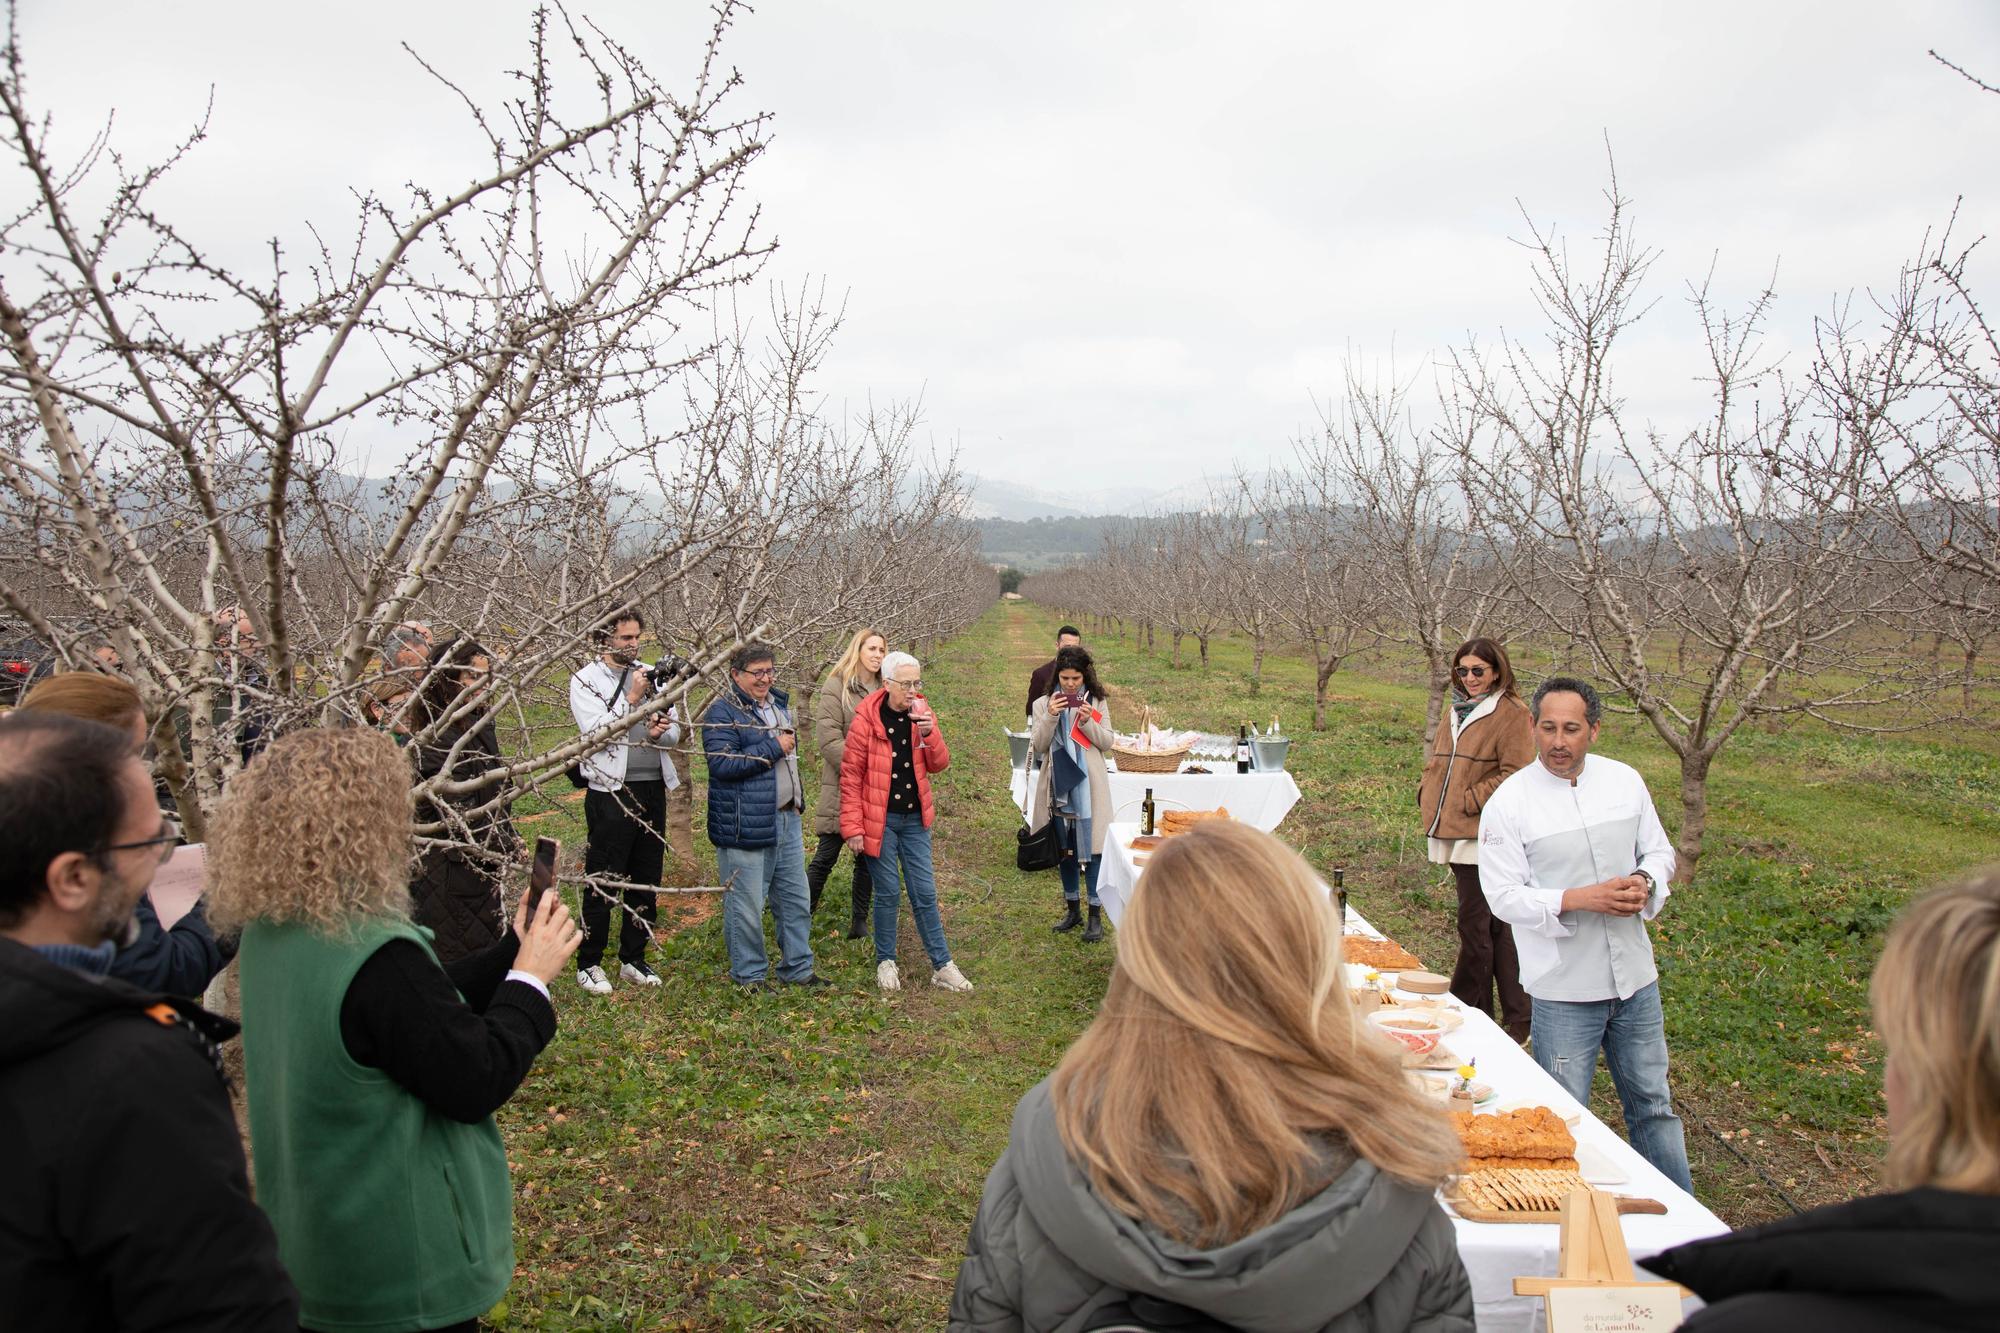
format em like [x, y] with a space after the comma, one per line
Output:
[169, 838]
[1474, 672]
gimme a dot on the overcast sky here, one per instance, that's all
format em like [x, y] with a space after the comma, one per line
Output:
[1128, 243]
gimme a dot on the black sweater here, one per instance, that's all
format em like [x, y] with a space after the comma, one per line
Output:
[1895, 1263]
[462, 1057]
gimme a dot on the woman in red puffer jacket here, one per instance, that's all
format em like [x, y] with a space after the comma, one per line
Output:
[894, 745]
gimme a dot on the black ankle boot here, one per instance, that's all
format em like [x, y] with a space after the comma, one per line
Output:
[1095, 930]
[858, 918]
[1071, 917]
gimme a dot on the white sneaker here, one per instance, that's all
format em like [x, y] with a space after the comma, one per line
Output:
[886, 975]
[639, 973]
[593, 980]
[950, 978]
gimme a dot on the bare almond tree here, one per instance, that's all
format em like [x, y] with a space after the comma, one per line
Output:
[1712, 577]
[1322, 588]
[503, 407]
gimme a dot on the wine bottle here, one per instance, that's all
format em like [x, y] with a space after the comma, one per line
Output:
[1340, 895]
[1243, 748]
[1146, 813]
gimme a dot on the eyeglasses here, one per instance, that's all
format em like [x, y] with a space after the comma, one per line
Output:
[762, 673]
[1473, 672]
[904, 684]
[168, 839]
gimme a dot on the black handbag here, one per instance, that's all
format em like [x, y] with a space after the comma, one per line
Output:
[1039, 849]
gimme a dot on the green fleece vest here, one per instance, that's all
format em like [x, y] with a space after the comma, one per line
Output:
[389, 1215]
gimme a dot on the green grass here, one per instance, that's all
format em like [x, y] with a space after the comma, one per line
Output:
[690, 1157]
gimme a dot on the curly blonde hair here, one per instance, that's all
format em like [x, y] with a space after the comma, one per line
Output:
[315, 831]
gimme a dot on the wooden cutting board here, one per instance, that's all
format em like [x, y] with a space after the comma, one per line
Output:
[1627, 1204]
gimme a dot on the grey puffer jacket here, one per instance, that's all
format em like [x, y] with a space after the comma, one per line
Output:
[1364, 1255]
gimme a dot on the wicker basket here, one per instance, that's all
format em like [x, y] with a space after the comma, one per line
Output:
[1148, 761]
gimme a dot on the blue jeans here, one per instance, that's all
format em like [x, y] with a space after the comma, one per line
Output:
[749, 876]
[906, 843]
[1633, 1035]
[1067, 866]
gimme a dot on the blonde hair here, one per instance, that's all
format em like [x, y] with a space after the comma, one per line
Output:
[315, 831]
[90, 695]
[1936, 997]
[849, 666]
[1227, 1058]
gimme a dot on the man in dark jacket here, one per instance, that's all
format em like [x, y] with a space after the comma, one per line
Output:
[1044, 677]
[755, 807]
[124, 1202]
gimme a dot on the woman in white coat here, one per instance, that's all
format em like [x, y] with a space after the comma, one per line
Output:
[1070, 727]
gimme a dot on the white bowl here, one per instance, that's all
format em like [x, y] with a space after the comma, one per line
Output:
[1417, 1033]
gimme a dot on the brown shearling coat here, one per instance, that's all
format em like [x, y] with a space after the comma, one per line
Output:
[1460, 774]
[832, 714]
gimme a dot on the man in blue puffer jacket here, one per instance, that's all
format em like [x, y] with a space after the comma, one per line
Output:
[755, 807]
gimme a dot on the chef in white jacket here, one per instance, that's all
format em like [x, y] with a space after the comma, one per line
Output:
[1573, 857]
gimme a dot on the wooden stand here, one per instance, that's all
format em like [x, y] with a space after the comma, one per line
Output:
[1593, 1250]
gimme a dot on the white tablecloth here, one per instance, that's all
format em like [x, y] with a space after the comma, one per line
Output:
[1261, 800]
[1497, 1253]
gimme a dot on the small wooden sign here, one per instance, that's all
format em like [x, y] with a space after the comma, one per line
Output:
[1598, 1291]
[1652, 1308]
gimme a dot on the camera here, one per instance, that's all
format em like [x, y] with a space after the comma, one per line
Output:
[669, 669]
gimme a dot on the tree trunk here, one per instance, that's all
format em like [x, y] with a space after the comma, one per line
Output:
[1965, 683]
[1434, 706]
[1694, 816]
[1324, 667]
[1176, 661]
[1202, 639]
[1257, 664]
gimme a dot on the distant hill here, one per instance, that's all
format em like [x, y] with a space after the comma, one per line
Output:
[1036, 544]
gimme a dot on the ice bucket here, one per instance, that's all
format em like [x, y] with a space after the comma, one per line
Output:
[1268, 756]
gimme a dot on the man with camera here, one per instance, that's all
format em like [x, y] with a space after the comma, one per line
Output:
[625, 808]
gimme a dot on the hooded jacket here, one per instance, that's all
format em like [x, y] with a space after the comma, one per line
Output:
[1895, 1263]
[1046, 1253]
[124, 1202]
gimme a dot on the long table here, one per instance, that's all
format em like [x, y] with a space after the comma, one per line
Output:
[1261, 800]
[1497, 1253]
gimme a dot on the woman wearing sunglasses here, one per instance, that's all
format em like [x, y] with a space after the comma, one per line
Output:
[1486, 736]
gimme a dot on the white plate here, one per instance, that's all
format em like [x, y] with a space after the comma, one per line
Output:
[1596, 1168]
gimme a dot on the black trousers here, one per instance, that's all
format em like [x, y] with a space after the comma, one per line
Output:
[821, 866]
[628, 841]
[1486, 958]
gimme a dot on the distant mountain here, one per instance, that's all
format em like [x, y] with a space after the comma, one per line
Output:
[988, 497]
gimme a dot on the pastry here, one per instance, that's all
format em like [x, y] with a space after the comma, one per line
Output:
[1385, 954]
[1180, 821]
[1532, 1132]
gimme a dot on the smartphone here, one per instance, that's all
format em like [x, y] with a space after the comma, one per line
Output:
[542, 877]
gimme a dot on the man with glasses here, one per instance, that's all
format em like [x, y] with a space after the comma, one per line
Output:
[123, 1195]
[756, 804]
[625, 809]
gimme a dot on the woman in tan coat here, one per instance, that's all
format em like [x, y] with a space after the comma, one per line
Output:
[854, 677]
[1486, 736]
[1070, 727]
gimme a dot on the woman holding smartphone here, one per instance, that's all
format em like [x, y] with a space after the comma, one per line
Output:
[1070, 728]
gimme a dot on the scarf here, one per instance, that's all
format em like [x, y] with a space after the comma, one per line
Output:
[1463, 706]
[93, 962]
[1069, 780]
